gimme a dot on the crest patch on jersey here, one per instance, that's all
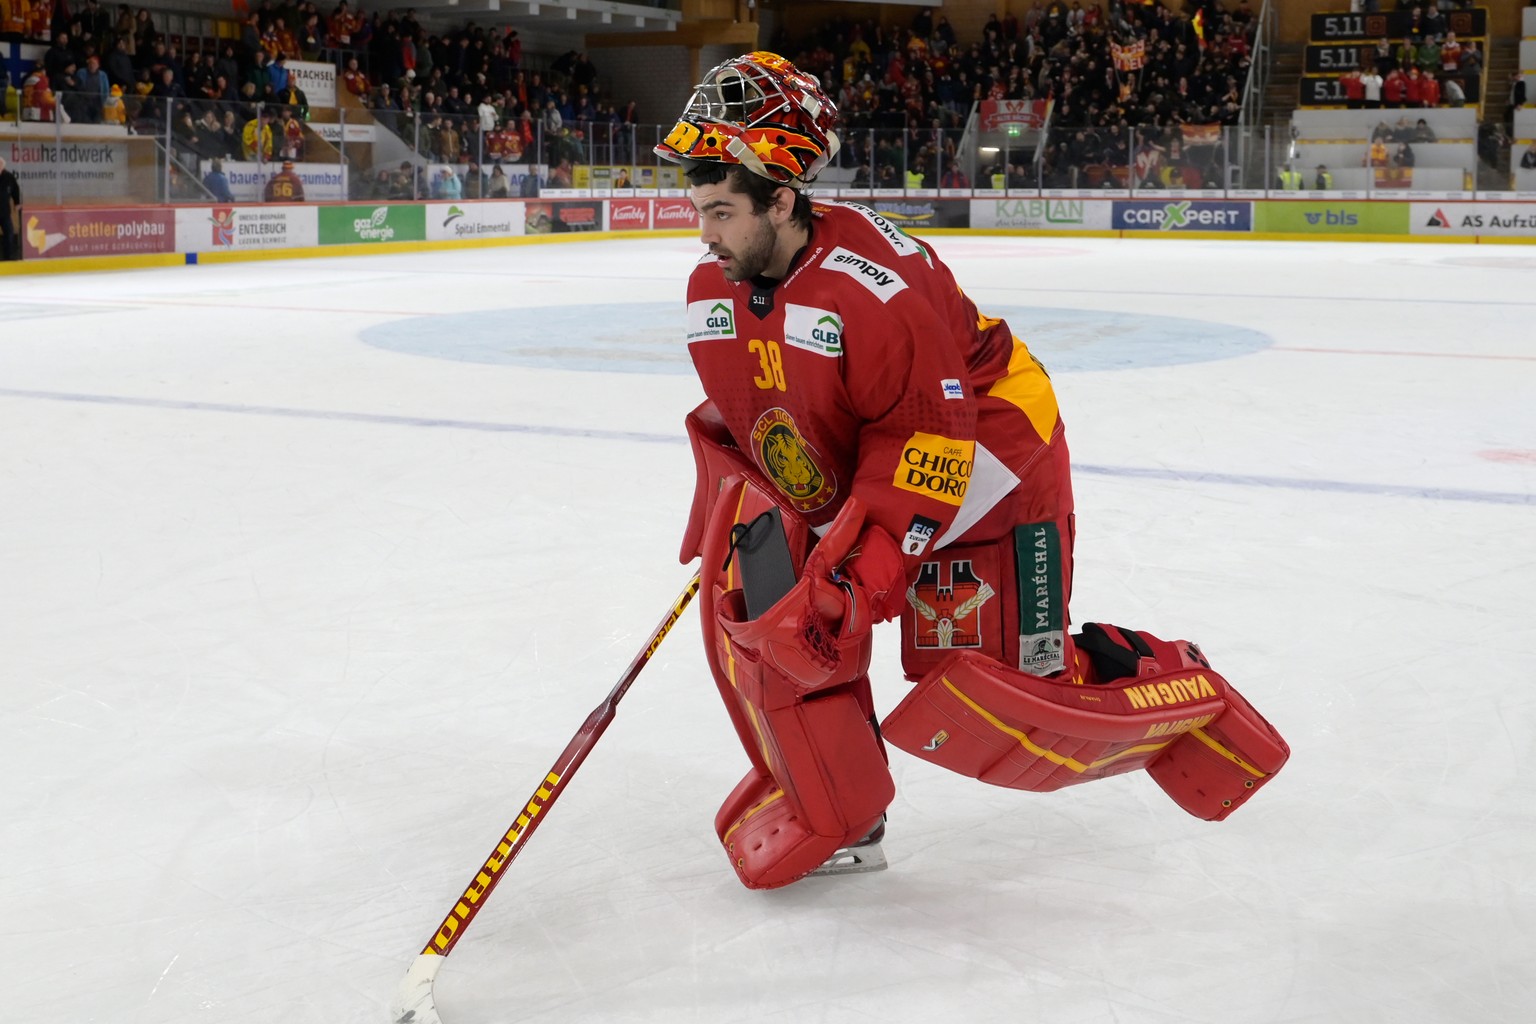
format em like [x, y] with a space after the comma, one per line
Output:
[711, 319]
[814, 330]
[948, 610]
[937, 466]
[790, 461]
[882, 282]
[952, 388]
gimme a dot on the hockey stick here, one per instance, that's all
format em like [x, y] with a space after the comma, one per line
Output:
[413, 1002]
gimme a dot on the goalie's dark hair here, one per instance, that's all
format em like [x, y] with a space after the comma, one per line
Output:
[759, 189]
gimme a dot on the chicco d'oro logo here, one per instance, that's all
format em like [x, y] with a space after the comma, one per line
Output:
[790, 462]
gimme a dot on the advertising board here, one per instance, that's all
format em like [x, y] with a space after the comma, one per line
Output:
[54, 234]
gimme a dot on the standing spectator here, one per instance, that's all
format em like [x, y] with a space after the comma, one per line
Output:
[217, 183]
[1354, 88]
[257, 128]
[112, 109]
[284, 186]
[1395, 89]
[1527, 162]
[96, 86]
[1371, 83]
[293, 136]
[355, 81]
[1324, 182]
[10, 214]
[1429, 92]
[1450, 55]
[1453, 94]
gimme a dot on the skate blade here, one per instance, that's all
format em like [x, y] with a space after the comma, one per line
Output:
[853, 860]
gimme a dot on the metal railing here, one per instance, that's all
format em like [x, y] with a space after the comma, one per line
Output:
[83, 150]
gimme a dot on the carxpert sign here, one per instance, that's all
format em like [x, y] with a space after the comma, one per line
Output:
[349, 225]
[1181, 215]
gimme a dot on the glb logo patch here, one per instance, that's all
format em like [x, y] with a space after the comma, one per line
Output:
[711, 320]
[948, 613]
[883, 282]
[937, 466]
[814, 330]
[919, 533]
[952, 389]
[790, 462]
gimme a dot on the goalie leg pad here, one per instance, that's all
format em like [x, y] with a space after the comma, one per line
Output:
[827, 788]
[1198, 738]
[819, 779]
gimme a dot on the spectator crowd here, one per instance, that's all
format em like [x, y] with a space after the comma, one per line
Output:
[464, 95]
[1108, 68]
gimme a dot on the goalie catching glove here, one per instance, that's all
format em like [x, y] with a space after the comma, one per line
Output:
[818, 633]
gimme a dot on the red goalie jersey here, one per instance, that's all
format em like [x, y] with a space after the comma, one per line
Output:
[867, 371]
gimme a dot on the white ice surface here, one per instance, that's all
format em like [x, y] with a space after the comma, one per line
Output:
[291, 624]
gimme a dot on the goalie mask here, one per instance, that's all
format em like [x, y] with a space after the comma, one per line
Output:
[757, 110]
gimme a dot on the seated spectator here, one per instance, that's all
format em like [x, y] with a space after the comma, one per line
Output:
[499, 187]
[446, 185]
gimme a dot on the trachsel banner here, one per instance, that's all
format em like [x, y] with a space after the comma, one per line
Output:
[317, 80]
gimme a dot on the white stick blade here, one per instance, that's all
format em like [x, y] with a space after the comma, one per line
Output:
[413, 1003]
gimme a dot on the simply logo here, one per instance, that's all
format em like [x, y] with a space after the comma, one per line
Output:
[883, 282]
[952, 389]
[454, 213]
[1438, 219]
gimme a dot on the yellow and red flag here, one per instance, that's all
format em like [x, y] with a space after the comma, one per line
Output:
[1199, 23]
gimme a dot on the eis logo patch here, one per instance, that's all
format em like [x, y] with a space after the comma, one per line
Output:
[790, 461]
[948, 610]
